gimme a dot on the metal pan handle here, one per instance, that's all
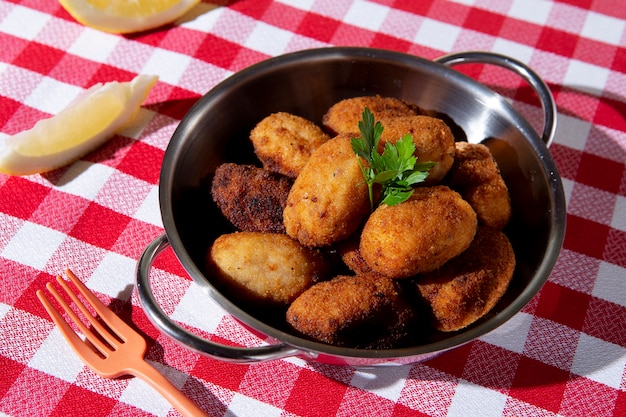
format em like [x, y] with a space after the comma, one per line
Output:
[184, 337]
[531, 77]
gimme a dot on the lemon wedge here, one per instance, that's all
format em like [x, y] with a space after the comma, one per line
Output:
[126, 16]
[81, 127]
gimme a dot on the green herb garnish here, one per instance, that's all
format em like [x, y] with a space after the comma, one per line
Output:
[396, 169]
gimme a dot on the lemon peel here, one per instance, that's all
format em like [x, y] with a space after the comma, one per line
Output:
[78, 129]
[127, 16]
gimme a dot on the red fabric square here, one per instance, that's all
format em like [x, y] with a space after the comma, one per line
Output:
[594, 52]
[283, 16]
[585, 236]
[358, 402]
[607, 321]
[315, 395]
[59, 210]
[106, 73]
[182, 40]
[135, 237]
[389, 42]
[453, 361]
[611, 113]
[521, 31]
[418, 7]
[491, 366]
[620, 404]
[10, 372]
[224, 374]
[484, 21]
[401, 410]
[11, 47]
[39, 58]
[601, 173]
[619, 60]
[178, 103]
[9, 107]
[539, 384]
[562, 305]
[567, 160]
[23, 295]
[255, 9]
[91, 404]
[23, 117]
[615, 250]
[100, 226]
[65, 70]
[318, 27]
[217, 51]
[152, 38]
[444, 10]
[143, 161]
[352, 36]
[20, 197]
[584, 397]
[557, 41]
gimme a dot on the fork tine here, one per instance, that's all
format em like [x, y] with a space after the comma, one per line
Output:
[99, 328]
[79, 346]
[107, 315]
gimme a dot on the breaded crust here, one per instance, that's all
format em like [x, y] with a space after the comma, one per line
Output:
[283, 142]
[264, 268]
[344, 116]
[329, 199]
[476, 176]
[469, 286]
[419, 235]
[350, 254]
[363, 311]
[251, 198]
[432, 137]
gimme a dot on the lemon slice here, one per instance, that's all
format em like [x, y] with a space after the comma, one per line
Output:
[81, 127]
[126, 16]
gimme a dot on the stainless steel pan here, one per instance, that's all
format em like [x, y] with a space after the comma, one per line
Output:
[307, 83]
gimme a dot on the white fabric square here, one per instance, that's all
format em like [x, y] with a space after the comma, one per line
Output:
[268, 39]
[114, 276]
[580, 74]
[299, 4]
[531, 11]
[52, 96]
[24, 23]
[599, 361]
[603, 28]
[56, 357]
[619, 215]
[366, 15]
[168, 65]
[572, 132]
[610, 283]
[386, 382]
[188, 310]
[33, 245]
[437, 35]
[204, 21]
[515, 50]
[242, 405]
[512, 334]
[139, 394]
[78, 181]
[149, 211]
[473, 400]
[4, 309]
[94, 45]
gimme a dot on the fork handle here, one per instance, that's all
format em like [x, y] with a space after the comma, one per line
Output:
[163, 386]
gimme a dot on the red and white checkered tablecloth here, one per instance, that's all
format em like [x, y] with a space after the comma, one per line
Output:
[563, 355]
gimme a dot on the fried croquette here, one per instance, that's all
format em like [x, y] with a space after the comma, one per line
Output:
[476, 176]
[264, 268]
[418, 235]
[363, 311]
[329, 199]
[251, 198]
[468, 287]
[350, 255]
[432, 137]
[344, 116]
[283, 142]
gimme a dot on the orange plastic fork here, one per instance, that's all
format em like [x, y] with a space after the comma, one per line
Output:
[114, 351]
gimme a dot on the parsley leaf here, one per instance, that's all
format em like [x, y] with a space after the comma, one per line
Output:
[396, 169]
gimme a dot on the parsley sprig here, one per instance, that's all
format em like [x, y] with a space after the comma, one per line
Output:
[396, 169]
